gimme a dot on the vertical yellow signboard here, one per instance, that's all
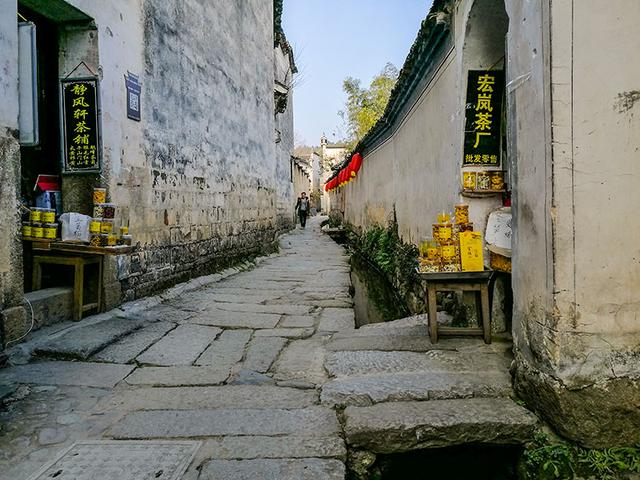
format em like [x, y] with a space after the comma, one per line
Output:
[471, 252]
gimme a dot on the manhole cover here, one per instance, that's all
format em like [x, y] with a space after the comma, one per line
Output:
[121, 460]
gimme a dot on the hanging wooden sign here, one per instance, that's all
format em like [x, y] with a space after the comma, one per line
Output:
[483, 115]
[80, 125]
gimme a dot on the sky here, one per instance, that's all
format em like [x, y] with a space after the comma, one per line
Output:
[333, 39]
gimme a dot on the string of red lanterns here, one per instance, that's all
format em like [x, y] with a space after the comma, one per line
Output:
[345, 175]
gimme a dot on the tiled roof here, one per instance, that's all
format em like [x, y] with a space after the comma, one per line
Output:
[279, 37]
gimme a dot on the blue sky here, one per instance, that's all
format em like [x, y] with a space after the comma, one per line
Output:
[333, 39]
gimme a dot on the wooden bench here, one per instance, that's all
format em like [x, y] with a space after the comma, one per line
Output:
[477, 282]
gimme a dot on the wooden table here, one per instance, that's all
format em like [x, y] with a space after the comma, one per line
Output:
[459, 281]
[78, 256]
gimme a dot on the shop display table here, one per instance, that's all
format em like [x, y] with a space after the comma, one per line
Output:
[459, 281]
[77, 256]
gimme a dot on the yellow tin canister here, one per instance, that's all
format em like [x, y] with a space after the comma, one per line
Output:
[35, 215]
[50, 230]
[94, 225]
[48, 215]
[111, 239]
[26, 229]
[124, 231]
[37, 230]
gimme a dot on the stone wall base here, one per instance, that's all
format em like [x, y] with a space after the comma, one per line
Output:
[153, 269]
[14, 324]
[600, 415]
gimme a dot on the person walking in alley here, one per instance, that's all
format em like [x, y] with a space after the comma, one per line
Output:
[302, 206]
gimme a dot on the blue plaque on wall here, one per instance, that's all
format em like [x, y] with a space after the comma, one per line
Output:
[134, 89]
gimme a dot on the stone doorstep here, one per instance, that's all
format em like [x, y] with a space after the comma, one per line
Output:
[306, 422]
[208, 398]
[371, 389]
[80, 343]
[281, 469]
[403, 426]
[253, 447]
[51, 305]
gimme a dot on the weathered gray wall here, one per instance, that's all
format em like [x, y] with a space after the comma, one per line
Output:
[12, 315]
[285, 195]
[573, 133]
[579, 338]
[200, 180]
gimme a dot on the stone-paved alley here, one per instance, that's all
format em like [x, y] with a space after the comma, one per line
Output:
[258, 366]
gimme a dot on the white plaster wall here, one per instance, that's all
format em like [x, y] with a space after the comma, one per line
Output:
[597, 170]
[10, 240]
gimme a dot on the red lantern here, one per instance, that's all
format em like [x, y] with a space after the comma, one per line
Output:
[356, 163]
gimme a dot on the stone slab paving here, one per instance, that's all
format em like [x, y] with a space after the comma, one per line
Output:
[285, 332]
[386, 343]
[262, 352]
[368, 362]
[281, 469]
[403, 426]
[284, 309]
[250, 447]
[310, 421]
[179, 375]
[228, 319]
[297, 321]
[81, 343]
[208, 398]
[243, 364]
[302, 360]
[337, 319]
[181, 346]
[66, 373]
[227, 350]
[393, 387]
[128, 348]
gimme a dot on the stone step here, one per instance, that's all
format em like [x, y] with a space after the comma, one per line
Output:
[250, 447]
[403, 426]
[181, 346]
[209, 398]
[304, 422]
[366, 362]
[281, 469]
[51, 305]
[100, 375]
[371, 389]
[128, 348]
[82, 342]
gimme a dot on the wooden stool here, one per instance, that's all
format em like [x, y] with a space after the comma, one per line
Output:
[466, 281]
[78, 263]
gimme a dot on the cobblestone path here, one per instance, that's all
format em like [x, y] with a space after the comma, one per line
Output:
[256, 367]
